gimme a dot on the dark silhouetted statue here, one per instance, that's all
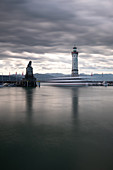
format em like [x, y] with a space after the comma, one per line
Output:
[29, 80]
[29, 71]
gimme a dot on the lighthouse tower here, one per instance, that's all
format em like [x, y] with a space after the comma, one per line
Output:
[74, 62]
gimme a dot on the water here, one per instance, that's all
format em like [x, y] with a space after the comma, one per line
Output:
[55, 128]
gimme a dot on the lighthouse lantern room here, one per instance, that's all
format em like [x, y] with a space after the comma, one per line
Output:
[74, 61]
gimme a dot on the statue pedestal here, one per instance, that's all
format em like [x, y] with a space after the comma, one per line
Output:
[29, 82]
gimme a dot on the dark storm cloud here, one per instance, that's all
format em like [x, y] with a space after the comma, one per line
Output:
[49, 24]
[54, 26]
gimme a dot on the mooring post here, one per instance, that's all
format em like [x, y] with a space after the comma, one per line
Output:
[27, 83]
[38, 83]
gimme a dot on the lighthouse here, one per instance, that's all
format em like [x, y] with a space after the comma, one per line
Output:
[74, 61]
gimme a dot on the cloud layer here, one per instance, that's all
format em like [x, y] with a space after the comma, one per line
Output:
[45, 32]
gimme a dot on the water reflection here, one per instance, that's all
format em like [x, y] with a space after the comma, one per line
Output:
[38, 127]
[29, 101]
[75, 100]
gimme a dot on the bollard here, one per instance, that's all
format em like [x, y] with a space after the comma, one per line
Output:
[39, 83]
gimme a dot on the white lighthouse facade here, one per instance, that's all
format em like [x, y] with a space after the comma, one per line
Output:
[74, 62]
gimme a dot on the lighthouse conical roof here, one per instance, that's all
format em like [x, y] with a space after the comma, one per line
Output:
[74, 47]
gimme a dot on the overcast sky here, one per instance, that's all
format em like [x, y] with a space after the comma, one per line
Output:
[45, 32]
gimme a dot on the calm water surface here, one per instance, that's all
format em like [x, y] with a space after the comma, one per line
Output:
[54, 128]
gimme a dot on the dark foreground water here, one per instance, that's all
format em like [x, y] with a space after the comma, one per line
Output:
[53, 128]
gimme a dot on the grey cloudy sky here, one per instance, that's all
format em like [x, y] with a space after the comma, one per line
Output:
[45, 32]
